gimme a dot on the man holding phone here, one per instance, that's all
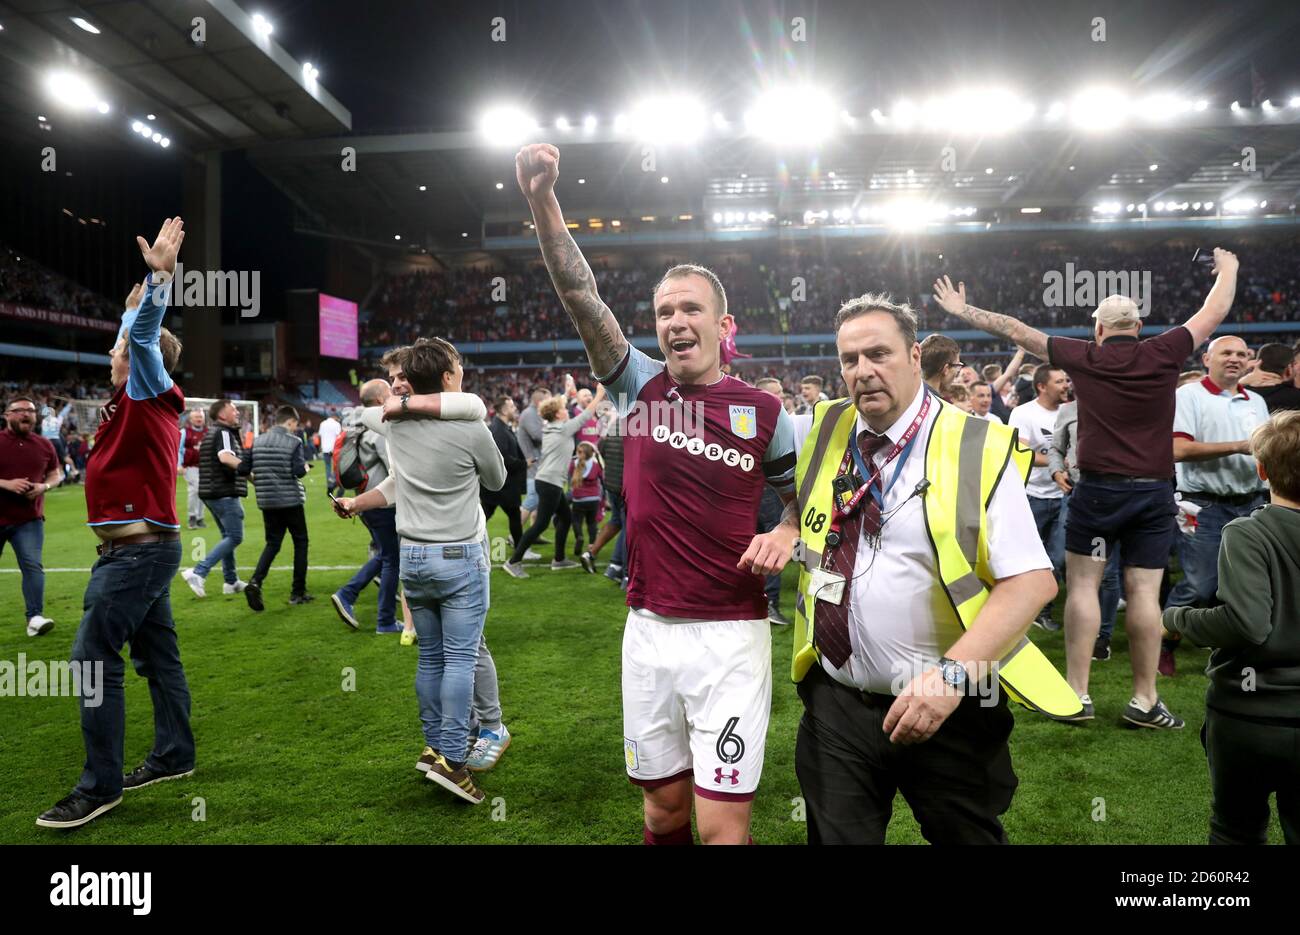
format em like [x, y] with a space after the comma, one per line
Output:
[1125, 387]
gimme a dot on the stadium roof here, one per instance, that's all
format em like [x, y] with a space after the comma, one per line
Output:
[237, 88]
[442, 191]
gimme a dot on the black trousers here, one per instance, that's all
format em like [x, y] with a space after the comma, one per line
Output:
[957, 783]
[277, 522]
[551, 504]
[1248, 761]
[510, 507]
[584, 513]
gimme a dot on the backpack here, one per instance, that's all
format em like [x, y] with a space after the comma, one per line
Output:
[349, 469]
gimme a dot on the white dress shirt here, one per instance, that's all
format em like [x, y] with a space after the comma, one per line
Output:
[900, 620]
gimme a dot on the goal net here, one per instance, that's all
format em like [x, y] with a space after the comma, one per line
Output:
[88, 412]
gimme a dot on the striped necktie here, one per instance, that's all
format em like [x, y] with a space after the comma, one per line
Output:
[831, 621]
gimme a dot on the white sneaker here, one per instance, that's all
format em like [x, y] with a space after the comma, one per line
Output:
[236, 588]
[531, 556]
[38, 625]
[194, 581]
[513, 570]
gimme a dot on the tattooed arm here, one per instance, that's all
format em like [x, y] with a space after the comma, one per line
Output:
[953, 302]
[537, 166]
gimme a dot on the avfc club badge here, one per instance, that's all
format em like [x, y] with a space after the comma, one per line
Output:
[744, 421]
[629, 755]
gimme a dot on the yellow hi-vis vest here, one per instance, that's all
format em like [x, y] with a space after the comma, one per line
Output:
[964, 460]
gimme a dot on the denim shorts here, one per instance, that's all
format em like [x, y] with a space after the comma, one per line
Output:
[1140, 515]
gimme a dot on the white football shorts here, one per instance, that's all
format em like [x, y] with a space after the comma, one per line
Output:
[697, 695]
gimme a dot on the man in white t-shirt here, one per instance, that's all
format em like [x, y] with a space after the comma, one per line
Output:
[329, 432]
[1035, 421]
[981, 401]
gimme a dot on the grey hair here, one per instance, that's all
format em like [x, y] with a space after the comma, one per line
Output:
[694, 269]
[902, 313]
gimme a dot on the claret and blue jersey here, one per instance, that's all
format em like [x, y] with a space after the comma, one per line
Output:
[696, 459]
[131, 471]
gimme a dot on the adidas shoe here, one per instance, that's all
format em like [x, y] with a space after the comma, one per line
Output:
[1157, 716]
[488, 749]
[456, 781]
[236, 588]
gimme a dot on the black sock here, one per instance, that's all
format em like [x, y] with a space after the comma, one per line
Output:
[455, 764]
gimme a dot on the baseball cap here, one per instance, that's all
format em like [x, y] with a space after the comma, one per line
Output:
[1118, 311]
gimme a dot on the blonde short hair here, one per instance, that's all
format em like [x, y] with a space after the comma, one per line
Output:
[1276, 446]
[550, 409]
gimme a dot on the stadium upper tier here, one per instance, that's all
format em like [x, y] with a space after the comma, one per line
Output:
[24, 282]
[799, 294]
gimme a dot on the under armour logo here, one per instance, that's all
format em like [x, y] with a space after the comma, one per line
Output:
[719, 775]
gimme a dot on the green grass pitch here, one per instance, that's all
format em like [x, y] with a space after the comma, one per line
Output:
[285, 755]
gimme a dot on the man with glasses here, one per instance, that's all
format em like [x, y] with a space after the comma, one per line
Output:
[941, 364]
[29, 466]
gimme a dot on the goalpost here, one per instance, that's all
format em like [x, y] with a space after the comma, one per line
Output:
[88, 411]
[249, 412]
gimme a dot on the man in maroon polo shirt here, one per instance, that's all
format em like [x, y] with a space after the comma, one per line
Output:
[131, 506]
[29, 466]
[1125, 389]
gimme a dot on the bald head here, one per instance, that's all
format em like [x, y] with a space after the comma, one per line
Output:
[375, 392]
[1226, 359]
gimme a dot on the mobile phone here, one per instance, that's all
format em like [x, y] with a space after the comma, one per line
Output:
[1203, 257]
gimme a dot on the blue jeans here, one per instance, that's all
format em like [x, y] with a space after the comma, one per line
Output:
[128, 600]
[1049, 517]
[229, 514]
[1198, 554]
[447, 590]
[1112, 588]
[28, 540]
[530, 498]
[385, 563]
[618, 515]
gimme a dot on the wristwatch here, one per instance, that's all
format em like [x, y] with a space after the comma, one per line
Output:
[954, 673]
[406, 399]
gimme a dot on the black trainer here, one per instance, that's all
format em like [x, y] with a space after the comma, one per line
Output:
[253, 594]
[296, 599]
[1101, 649]
[1158, 717]
[145, 775]
[1044, 621]
[74, 811]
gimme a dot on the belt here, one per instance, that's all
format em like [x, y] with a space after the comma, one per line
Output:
[1235, 499]
[109, 545]
[1120, 478]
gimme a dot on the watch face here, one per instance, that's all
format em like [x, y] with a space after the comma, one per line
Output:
[953, 673]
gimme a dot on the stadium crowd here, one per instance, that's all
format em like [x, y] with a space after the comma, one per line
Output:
[460, 303]
[25, 282]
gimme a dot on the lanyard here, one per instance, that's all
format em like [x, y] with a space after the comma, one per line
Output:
[902, 447]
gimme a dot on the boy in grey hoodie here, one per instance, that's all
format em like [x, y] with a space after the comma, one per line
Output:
[1252, 718]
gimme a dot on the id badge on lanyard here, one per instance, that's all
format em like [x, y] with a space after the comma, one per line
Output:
[843, 484]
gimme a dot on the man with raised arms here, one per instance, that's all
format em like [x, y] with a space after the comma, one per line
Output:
[697, 681]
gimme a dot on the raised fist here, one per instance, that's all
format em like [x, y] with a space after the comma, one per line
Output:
[537, 166]
[1224, 261]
